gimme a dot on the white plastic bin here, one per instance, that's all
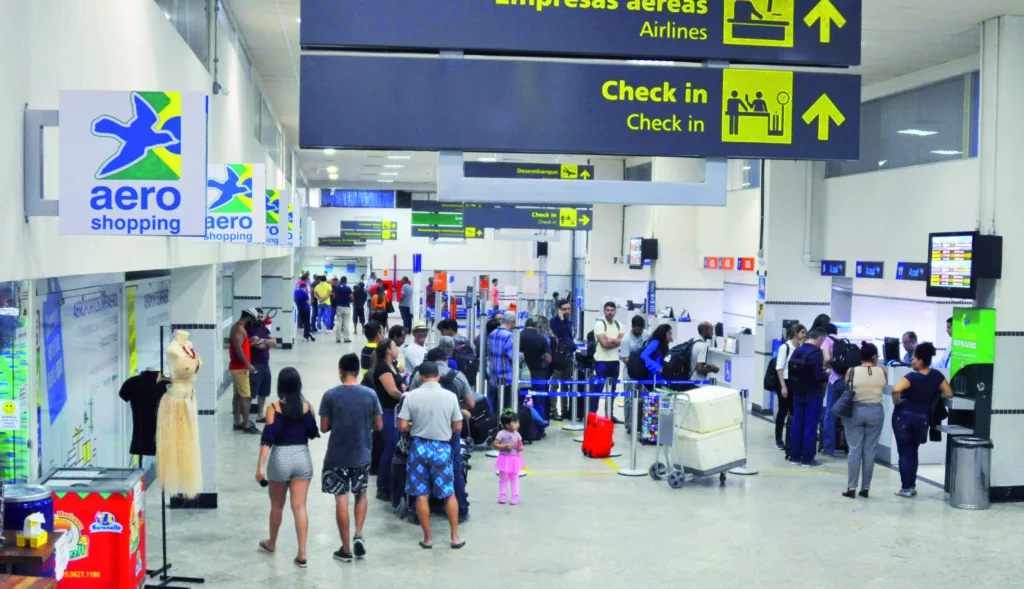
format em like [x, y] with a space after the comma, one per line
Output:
[712, 450]
[712, 409]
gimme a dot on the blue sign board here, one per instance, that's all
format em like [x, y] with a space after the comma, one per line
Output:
[912, 271]
[587, 108]
[350, 269]
[727, 370]
[502, 216]
[833, 268]
[761, 285]
[340, 242]
[530, 171]
[357, 199]
[807, 32]
[652, 305]
[871, 270]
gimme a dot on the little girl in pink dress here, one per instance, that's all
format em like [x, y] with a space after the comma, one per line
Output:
[509, 444]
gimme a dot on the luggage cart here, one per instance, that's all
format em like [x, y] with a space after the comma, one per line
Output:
[670, 403]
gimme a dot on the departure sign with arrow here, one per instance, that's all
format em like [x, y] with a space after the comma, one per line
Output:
[530, 171]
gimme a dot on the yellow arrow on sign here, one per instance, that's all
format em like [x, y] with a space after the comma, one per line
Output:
[585, 174]
[824, 109]
[826, 14]
[585, 220]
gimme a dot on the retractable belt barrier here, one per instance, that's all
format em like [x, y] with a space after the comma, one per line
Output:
[533, 393]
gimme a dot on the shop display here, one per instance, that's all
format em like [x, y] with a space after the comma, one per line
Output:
[102, 514]
[20, 503]
[649, 418]
[144, 392]
[178, 465]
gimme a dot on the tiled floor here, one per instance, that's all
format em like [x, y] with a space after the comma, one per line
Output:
[581, 526]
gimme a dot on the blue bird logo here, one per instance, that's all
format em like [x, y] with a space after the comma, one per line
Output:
[235, 193]
[149, 143]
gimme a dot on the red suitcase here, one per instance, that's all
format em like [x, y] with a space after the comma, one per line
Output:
[597, 437]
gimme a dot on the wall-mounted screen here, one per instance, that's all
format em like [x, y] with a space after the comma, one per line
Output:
[636, 256]
[956, 261]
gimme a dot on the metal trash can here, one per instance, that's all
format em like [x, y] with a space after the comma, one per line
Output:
[970, 473]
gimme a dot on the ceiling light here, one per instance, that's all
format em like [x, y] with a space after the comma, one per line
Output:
[389, 173]
[333, 176]
[382, 181]
[882, 163]
[329, 151]
[917, 132]
[298, 19]
[946, 152]
[393, 166]
[486, 159]
[399, 157]
[746, 168]
[332, 169]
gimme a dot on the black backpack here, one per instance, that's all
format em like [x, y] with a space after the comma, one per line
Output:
[844, 355]
[467, 361]
[677, 365]
[635, 366]
[448, 381]
[562, 352]
[585, 360]
[799, 369]
[771, 374]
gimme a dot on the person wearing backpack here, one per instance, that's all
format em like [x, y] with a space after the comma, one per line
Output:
[634, 341]
[700, 368]
[608, 333]
[807, 379]
[840, 356]
[563, 356]
[796, 333]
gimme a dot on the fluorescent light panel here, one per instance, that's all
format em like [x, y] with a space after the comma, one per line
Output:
[329, 151]
[399, 157]
[917, 132]
[393, 166]
[946, 152]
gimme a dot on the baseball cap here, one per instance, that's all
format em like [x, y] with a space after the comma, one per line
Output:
[419, 326]
[429, 370]
[252, 312]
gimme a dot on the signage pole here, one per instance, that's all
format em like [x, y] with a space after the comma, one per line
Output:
[634, 419]
[743, 470]
[481, 376]
[492, 453]
[516, 362]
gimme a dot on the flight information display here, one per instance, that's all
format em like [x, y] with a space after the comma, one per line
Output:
[952, 257]
[636, 257]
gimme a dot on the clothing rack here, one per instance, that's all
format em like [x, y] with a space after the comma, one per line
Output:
[161, 573]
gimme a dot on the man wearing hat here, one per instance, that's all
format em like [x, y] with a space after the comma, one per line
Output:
[240, 366]
[260, 343]
[431, 415]
[415, 351]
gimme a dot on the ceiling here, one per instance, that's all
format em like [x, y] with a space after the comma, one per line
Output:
[899, 37]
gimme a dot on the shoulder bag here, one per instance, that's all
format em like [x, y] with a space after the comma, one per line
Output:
[843, 407]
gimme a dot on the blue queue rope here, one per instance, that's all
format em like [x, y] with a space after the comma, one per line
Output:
[528, 392]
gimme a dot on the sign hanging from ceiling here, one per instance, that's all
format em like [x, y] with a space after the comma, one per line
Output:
[370, 230]
[552, 107]
[357, 199]
[273, 204]
[133, 163]
[339, 242]
[806, 32]
[510, 216]
[530, 171]
[447, 232]
[234, 216]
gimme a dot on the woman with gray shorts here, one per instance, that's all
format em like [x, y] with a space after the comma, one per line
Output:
[865, 427]
[290, 426]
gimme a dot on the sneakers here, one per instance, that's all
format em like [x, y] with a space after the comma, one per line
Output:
[252, 429]
[813, 464]
[780, 445]
[359, 547]
[342, 556]
[501, 499]
[515, 500]
[906, 493]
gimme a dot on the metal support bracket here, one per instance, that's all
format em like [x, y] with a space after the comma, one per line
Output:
[453, 186]
[35, 204]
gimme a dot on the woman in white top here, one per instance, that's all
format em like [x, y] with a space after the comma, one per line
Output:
[863, 429]
[796, 333]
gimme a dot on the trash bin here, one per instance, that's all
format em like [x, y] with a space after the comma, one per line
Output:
[970, 473]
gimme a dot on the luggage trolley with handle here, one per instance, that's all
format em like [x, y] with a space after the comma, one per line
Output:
[668, 463]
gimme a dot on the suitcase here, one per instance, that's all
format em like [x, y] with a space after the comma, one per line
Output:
[597, 437]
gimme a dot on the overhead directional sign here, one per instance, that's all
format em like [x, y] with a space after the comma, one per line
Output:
[554, 107]
[339, 242]
[497, 216]
[532, 171]
[454, 232]
[811, 32]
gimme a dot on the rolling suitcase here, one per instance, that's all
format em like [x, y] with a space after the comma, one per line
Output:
[597, 437]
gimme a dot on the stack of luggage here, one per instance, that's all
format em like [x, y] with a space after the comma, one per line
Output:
[710, 433]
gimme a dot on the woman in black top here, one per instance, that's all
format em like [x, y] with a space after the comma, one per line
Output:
[913, 396]
[359, 304]
[388, 383]
[290, 426]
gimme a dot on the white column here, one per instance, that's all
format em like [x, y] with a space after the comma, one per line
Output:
[248, 279]
[280, 282]
[1002, 176]
[194, 309]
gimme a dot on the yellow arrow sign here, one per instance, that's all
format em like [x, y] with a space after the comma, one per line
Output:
[824, 109]
[585, 174]
[826, 14]
[584, 220]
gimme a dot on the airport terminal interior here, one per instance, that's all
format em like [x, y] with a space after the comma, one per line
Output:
[556, 293]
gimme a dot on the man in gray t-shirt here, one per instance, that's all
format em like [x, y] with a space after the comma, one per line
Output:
[350, 412]
[431, 415]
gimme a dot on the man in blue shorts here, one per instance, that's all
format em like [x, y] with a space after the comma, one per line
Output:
[431, 415]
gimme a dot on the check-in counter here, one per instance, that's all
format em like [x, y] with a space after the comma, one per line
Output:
[737, 368]
[929, 453]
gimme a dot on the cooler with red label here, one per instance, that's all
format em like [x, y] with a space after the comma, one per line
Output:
[103, 512]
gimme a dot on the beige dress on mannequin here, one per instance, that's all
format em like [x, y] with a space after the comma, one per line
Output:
[178, 467]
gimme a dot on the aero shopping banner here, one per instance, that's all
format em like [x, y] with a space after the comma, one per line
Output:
[236, 204]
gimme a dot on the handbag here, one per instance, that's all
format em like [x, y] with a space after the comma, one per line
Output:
[843, 407]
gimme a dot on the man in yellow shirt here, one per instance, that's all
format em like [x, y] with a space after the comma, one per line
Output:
[322, 292]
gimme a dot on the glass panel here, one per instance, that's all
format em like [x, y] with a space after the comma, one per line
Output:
[191, 18]
[975, 93]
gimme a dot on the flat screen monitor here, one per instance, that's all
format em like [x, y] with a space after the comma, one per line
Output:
[636, 256]
[956, 261]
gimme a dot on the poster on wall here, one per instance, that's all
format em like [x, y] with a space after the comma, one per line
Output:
[82, 414]
[234, 216]
[972, 357]
[273, 205]
[15, 459]
[133, 163]
[147, 308]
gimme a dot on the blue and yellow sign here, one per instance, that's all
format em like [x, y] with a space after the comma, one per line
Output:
[806, 32]
[528, 171]
[585, 108]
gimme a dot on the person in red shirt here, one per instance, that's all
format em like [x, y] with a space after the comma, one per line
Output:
[240, 365]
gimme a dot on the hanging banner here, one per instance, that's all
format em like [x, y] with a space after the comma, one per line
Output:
[577, 108]
[133, 163]
[806, 32]
[273, 217]
[234, 216]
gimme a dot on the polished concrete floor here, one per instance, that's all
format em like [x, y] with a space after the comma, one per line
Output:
[580, 525]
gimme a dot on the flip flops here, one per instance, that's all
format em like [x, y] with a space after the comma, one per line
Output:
[459, 545]
[425, 546]
[263, 546]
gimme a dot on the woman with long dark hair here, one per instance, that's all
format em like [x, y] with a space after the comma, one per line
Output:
[913, 396]
[379, 304]
[387, 383]
[290, 426]
[657, 346]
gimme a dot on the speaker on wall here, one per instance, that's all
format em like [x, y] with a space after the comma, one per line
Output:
[403, 199]
[649, 249]
[542, 249]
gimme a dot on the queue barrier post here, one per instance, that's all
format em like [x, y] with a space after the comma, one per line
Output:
[743, 470]
[634, 419]
[586, 405]
[492, 453]
[574, 425]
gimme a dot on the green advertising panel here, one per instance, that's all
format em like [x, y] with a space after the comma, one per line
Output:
[974, 338]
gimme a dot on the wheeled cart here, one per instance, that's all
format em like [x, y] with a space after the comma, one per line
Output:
[698, 459]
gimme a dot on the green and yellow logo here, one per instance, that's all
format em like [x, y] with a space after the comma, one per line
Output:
[233, 192]
[149, 144]
[273, 207]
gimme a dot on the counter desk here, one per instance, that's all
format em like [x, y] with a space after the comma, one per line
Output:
[929, 453]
